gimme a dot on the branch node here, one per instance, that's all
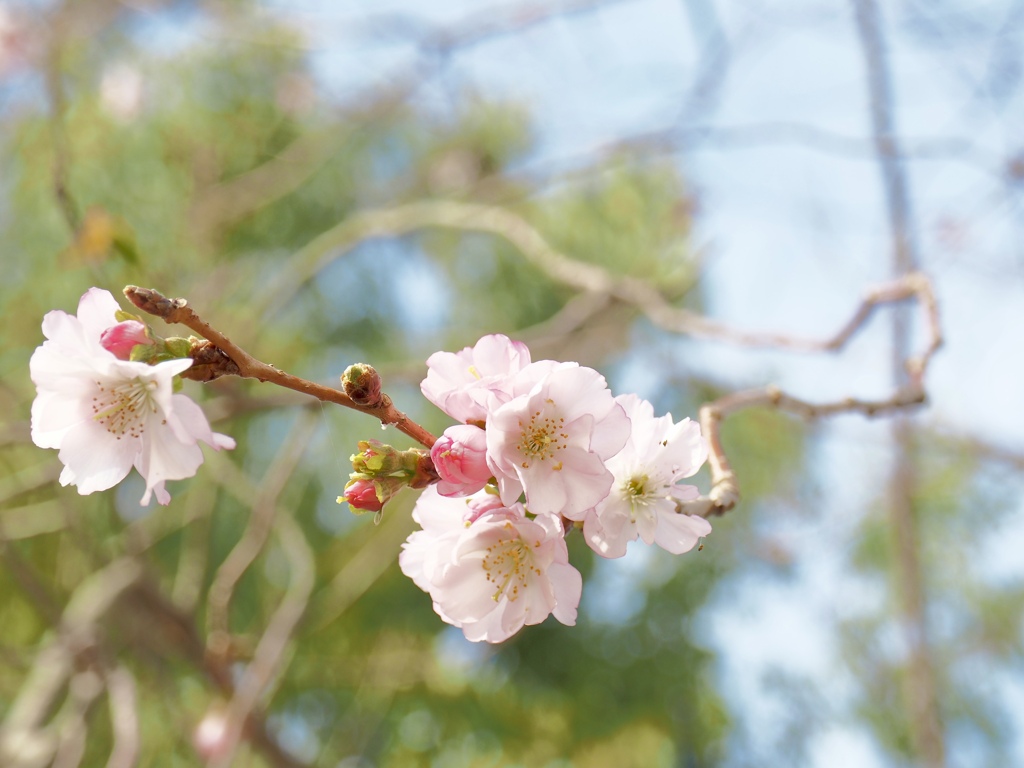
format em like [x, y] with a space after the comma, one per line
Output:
[154, 302]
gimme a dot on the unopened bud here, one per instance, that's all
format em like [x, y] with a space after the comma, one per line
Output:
[122, 338]
[361, 382]
[210, 738]
[376, 458]
[364, 495]
[381, 471]
[460, 457]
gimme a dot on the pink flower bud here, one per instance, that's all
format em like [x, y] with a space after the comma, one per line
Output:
[460, 456]
[361, 494]
[210, 738]
[121, 339]
[480, 505]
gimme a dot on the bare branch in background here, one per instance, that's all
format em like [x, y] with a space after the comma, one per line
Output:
[584, 277]
[920, 687]
[54, 75]
[480, 27]
[124, 717]
[374, 554]
[724, 493]
[26, 740]
[268, 663]
[264, 505]
[174, 630]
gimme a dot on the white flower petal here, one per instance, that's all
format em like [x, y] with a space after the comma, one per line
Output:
[680, 533]
[106, 415]
[92, 461]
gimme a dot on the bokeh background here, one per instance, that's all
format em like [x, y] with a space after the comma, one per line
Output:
[316, 178]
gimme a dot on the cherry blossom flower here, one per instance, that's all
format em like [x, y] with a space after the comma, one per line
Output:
[460, 457]
[552, 443]
[468, 384]
[107, 415]
[494, 575]
[643, 496]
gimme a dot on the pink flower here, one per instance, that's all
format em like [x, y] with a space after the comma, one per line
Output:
[122, 338]
[552, 443]
[495, 575]
[362, 494]
[480, 504]
[643, 496]
[460, 457]
[468, 384]
[107, 415]
[210, 738]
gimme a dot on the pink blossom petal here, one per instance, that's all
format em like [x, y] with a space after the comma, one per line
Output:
[105, 415]
[605, 543]
[91, 461]
[97, 311]
[680, 533]
[567, 584]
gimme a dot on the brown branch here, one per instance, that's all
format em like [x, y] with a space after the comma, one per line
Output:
[583, 276]
[246, 366]
[24, 732]
[267, 660]
[264, 506]
[178, 629]
[124, 717]
[724, 493]
[920, 687]
[58, 133]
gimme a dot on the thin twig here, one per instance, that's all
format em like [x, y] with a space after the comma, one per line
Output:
[124, 717]
[264, 506]
[267, 662]
[179, 629]
[245, 365]
[25, 724]
[583, 276]
[920, 687]
[724, 493]
[58, 133]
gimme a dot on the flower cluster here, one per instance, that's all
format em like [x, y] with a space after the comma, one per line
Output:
[542, 447]
[105, 399]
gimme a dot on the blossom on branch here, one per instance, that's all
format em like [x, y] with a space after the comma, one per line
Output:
[642, 499]
[494, 575]
[552, 443]
[122, 338]
[545, 443]
[468, 384]
[105, 414]
[460, 457]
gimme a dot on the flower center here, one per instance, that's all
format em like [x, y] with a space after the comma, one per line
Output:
[540, 438]
[508, 564]
[121, 408]
[636, 493]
